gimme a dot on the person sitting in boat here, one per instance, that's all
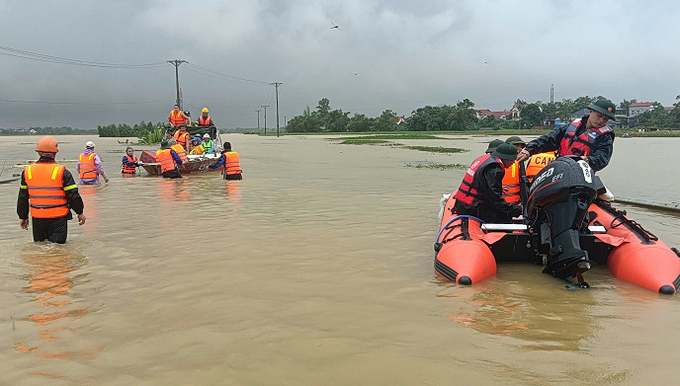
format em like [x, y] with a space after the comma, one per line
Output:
[208, 146]
[129, 161]
[480, 192]
[205, 119]
[511, 179]
[90, 166]
[181, 136]
[197, 149]
[169, 159]
[493, 145]
[177, 118]
[230, 162]
[588, 137]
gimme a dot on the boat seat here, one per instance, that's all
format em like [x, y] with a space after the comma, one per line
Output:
[521, 227]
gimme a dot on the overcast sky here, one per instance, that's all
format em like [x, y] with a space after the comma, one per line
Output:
[391, 54]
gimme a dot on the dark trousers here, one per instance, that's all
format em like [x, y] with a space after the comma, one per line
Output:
[50, 229]
[233, 177]
[174, 173]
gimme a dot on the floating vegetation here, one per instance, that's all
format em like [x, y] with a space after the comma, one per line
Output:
[433, 165]
[437, 149]
[363, 141]
[395, 136]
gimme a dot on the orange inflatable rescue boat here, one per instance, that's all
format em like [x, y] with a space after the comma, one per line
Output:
[565, 228]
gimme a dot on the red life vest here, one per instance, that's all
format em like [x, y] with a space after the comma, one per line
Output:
[181, 138]
[130, 169]
[468, 192]
[180, 152]
[511, 184]
[204, 122]
[538, 162]
[87, 169]
[164, 157]
[176, 118]
[231, 163]
[580, 145]
[46, 190]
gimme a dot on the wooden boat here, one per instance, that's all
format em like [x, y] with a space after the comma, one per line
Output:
[196, 163]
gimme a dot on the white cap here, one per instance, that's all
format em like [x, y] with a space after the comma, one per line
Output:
[89, 144]
[206, 135]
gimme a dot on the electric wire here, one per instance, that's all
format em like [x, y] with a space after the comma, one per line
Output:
[15, 52]
[225, 75]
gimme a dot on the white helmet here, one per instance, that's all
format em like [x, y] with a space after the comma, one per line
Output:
[206, 135]
[89, 144]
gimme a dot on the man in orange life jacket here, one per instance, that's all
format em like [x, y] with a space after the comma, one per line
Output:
[480, 192]
[50, 192]
[169, 160]
[177, 118]
[588, 137]
[129, 161]
[205, 119]
[511, 180]
[230, 161]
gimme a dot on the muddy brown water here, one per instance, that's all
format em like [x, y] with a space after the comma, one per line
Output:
[317, 268]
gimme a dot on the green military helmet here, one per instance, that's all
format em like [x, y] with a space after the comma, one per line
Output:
[165, 144]
[505, 151]
[605, 107]
[514, 140]
[493, 145]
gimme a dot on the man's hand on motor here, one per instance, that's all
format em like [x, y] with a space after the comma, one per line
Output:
[523, 155]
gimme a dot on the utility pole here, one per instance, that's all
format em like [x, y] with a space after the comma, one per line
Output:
[276, 85]
[177, 63]
[265, 118]
[285, 122]
[258, 120]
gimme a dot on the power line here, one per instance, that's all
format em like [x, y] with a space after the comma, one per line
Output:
[15, 52]
[226, 75]
[82, 103]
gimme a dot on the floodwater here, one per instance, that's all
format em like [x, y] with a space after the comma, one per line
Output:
[316, 269]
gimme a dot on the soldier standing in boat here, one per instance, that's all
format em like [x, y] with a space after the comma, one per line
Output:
[205, 120]
[50, 192]
[588, 137]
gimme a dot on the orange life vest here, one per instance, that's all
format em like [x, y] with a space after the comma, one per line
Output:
[581, 144]
[87, 169]
[468, 192]
[181, 138]
[511, 184]
[176, 118]
[538, 162]
[46, 190]
[204, 122]
[164, 157]
[130, 169]
[231, 163]
[180, 152]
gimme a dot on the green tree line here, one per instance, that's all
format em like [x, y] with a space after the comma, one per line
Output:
[63, 130]
[139, 130]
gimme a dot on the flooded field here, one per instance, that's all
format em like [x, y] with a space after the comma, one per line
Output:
[316, 269]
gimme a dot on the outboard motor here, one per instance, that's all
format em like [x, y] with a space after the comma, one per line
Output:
[558, 203]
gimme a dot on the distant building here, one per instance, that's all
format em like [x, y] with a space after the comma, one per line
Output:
[640, 108]
[498, 115]
[400, 120]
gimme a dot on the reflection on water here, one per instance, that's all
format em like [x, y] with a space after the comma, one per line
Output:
[51, 277]
[316, 269]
